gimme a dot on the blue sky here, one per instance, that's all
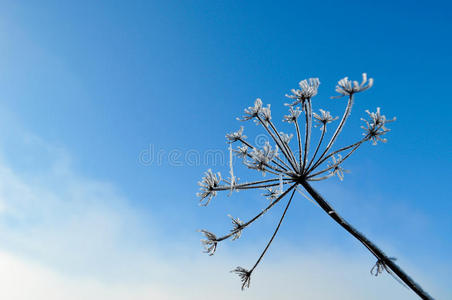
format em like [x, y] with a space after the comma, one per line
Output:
[86, 87]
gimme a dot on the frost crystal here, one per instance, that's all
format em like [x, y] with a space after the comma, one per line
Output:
[293, 115]
[285, 138]
[236, 136]
[262, 157]
[253, 111]
[375, 127]
[335, 168]
[208, 184]
[210, 243]
[308, 89]
[324, 118]
[237, 227]
[345, 87]
[266, 113]
[231, 169]
[272, 193]
[241, 151]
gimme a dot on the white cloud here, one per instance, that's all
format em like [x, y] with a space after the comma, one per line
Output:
[297, 277]
[24, 280]
[63, 236]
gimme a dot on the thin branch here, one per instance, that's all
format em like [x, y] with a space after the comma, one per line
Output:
[287, 156]
[258, 215]
[254, 148]
[318, 147]
[347, 112]
[268, 166]
[308, 113]
[288, 150]
[275, 171]
[299, 144]
[274, 233]
[250, 185]
[320, 178]
[319, 162]
[337, 164]
[259, 186]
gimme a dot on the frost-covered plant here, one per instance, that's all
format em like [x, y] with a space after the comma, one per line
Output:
[291, 169]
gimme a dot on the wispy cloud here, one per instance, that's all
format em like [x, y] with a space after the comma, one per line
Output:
[296, 277]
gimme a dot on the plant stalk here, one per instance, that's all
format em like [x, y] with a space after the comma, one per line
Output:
[379, 254]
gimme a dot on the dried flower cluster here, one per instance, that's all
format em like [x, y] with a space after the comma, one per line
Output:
[289, 167]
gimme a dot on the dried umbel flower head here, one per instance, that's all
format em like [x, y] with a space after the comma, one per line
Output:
[346, 87]
[266, 113]
[289, 168]
[324, 118]
[308, 89]
[245, 276]
[293, 115]
[208, 184]
[336, 169]
[210, 243]
[252, 111]
[272, 193]
[262, 157]
[237, 227]
[375, 128]
[241, 152]
[236, 136]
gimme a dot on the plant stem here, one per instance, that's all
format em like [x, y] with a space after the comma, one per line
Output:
[300, 160]
[286, 147]
[281, 146]
[379, 254]
[347, 113]
[258, 215]
[337, 163]
[316, 149]
[308, 113]
[252, 147]
[274, 233]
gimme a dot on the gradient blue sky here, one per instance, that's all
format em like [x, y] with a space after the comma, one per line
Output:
[87, 86]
